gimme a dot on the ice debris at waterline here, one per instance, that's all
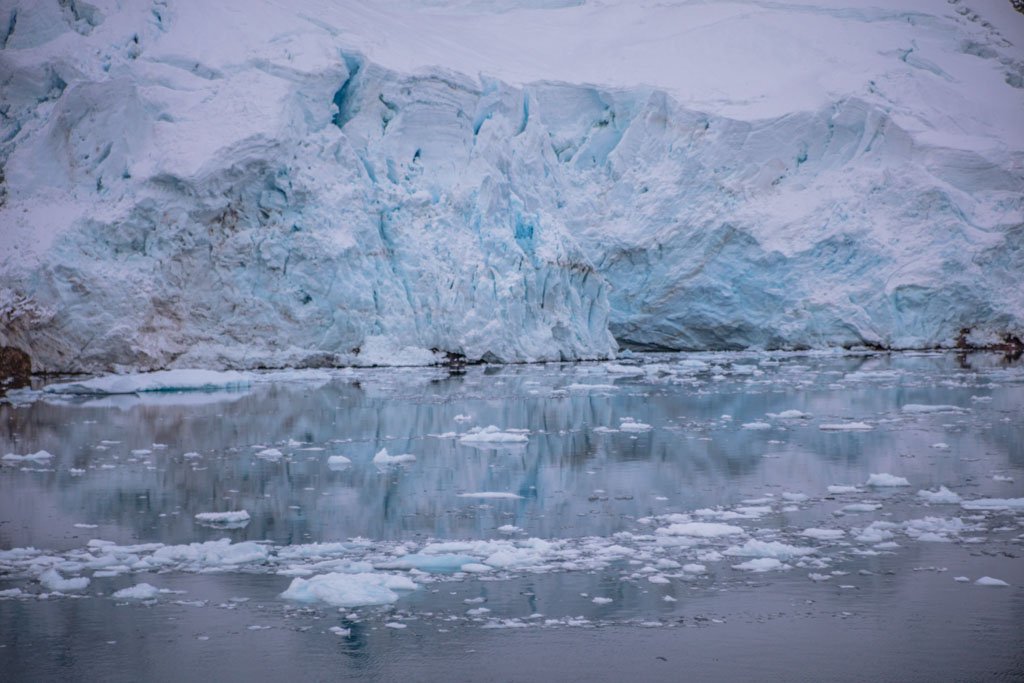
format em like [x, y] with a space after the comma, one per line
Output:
[361, 572]
[391, 202]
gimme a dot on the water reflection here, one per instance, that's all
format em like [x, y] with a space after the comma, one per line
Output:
[139, 484]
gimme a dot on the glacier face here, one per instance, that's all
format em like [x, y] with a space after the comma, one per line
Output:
[291, 193]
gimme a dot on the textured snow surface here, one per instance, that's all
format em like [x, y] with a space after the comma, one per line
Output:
[258, 184]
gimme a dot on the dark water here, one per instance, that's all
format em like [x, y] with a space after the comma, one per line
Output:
[881, 612]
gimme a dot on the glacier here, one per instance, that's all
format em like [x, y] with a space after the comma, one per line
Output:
[368, 183]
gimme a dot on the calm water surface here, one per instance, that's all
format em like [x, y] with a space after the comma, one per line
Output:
[664, 519]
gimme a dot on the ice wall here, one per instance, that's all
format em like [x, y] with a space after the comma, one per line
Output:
[186, 185]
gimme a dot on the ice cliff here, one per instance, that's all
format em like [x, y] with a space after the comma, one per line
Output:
[246, 184]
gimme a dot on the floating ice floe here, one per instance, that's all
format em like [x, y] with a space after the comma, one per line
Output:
[270, 454]
[756, 425]
[941, 497]
[628, 424]
[52, 580]
[861, 507]
[823, 534]
[140, 591]
[337, 462]
[590, 387]
[843, 488]
[846, 427]
[761, 564]
[163, 380]
[940, 446]
[225, 520]
[884, 479]
[491, 495]
[790, 415]
[38, 456]
[989, 581]
[935, 529]
[349, 590]
[993, 504]
[701, 530]
[492, 434]
[920, 409]
[769, 549]
[383, 458]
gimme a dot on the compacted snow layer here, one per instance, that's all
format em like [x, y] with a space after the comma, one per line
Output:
[391, 182]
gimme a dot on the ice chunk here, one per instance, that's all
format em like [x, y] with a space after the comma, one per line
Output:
[845, 427]
[701, 529]
[500, 495]
[756, 425]
[383, 458]
[269, 454]
[823, 534]
[843, 488]
[790, 415]
[231, 520]
[941, 497]
[492, 434]
[38, 456]
[337, 462]
[140, 591]
[628, 424]
[989, 581]
[429, 562]
[601, 601]
[349, 590]
[861, 507]
[920, 409]
[52, 580]
[934, 529]
[772, 549]
[590, 387]
[794, 497]
[884, 479]
[761, 564]
[164, 380]
[993, 504]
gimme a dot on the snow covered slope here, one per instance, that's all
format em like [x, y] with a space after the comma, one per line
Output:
[257, 183]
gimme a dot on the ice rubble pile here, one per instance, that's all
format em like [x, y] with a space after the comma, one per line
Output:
[252, 184]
